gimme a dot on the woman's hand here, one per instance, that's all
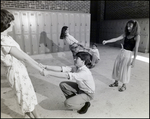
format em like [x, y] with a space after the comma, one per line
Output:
[104, 42]
[44, 72]
[132, 64]
[42, 66]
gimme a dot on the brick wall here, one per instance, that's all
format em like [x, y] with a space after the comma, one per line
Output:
[126, 9]
[79, 6]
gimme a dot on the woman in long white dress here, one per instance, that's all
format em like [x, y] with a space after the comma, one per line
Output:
[14, 59]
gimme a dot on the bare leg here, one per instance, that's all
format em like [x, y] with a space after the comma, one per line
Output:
[35, 114]
[29, 114]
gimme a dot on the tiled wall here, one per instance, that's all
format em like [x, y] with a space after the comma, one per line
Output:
[78, 6]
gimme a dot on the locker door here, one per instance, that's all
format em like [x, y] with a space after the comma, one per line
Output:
[48, 43]
[47, 29]
[17, 31]
[66, 19]
[60, 25]
[82, 38]
[82, 27]
[19, 40]
[66, 23]
[71, 24]
[47, 22]
[54, 33]
[25, 28]
[34, 44]
[32, 22]
[77, 27]
[87, 30]
[27, 44]
[82, 22]
[25, 23]
[17, 26]
[33, 28]
[40, 33]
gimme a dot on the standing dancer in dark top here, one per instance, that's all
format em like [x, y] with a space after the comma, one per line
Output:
[124, 61]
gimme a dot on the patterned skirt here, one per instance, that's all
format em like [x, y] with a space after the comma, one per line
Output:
[122, 66]
[20, 81]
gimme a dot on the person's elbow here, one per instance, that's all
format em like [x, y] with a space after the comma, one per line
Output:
[25, 60]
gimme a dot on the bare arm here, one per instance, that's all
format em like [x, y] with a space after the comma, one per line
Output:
[56, 74]
[136, 49]
[22, 56]
[54, 68]
[113, 39]
[80, 45]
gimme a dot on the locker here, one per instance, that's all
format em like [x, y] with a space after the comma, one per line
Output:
[77, 22]
[77, 36]
[47, 29]
[71, 24]
[27, 44]
[34, 44]
[61, 45]
[54, 33]
[40, 29]
[25, 23]
[60, 25]
[82, 27]
[17, 26]
[54, 43]
[47, 22]
[20, 41]
[48, 43]
[77, 26]
[66, 23]
[83, 38]
[32, 22]
[87, 30]
[66, 19]
[82, 23]
[87, 41]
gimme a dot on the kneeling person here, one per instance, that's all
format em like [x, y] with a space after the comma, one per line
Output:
[78, 94]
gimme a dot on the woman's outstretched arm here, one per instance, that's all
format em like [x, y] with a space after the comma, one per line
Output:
[22, 56]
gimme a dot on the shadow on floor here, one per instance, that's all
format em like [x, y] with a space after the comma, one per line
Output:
[55, 98]
[11, 113]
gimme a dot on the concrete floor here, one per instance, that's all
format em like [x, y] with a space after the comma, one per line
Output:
[108, 102]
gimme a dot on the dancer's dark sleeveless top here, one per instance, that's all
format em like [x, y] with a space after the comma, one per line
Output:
[129, 44]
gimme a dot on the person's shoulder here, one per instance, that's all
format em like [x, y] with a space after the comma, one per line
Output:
[86, 69]
[6, 39]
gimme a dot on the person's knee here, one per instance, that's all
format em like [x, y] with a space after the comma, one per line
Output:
[67, 103]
